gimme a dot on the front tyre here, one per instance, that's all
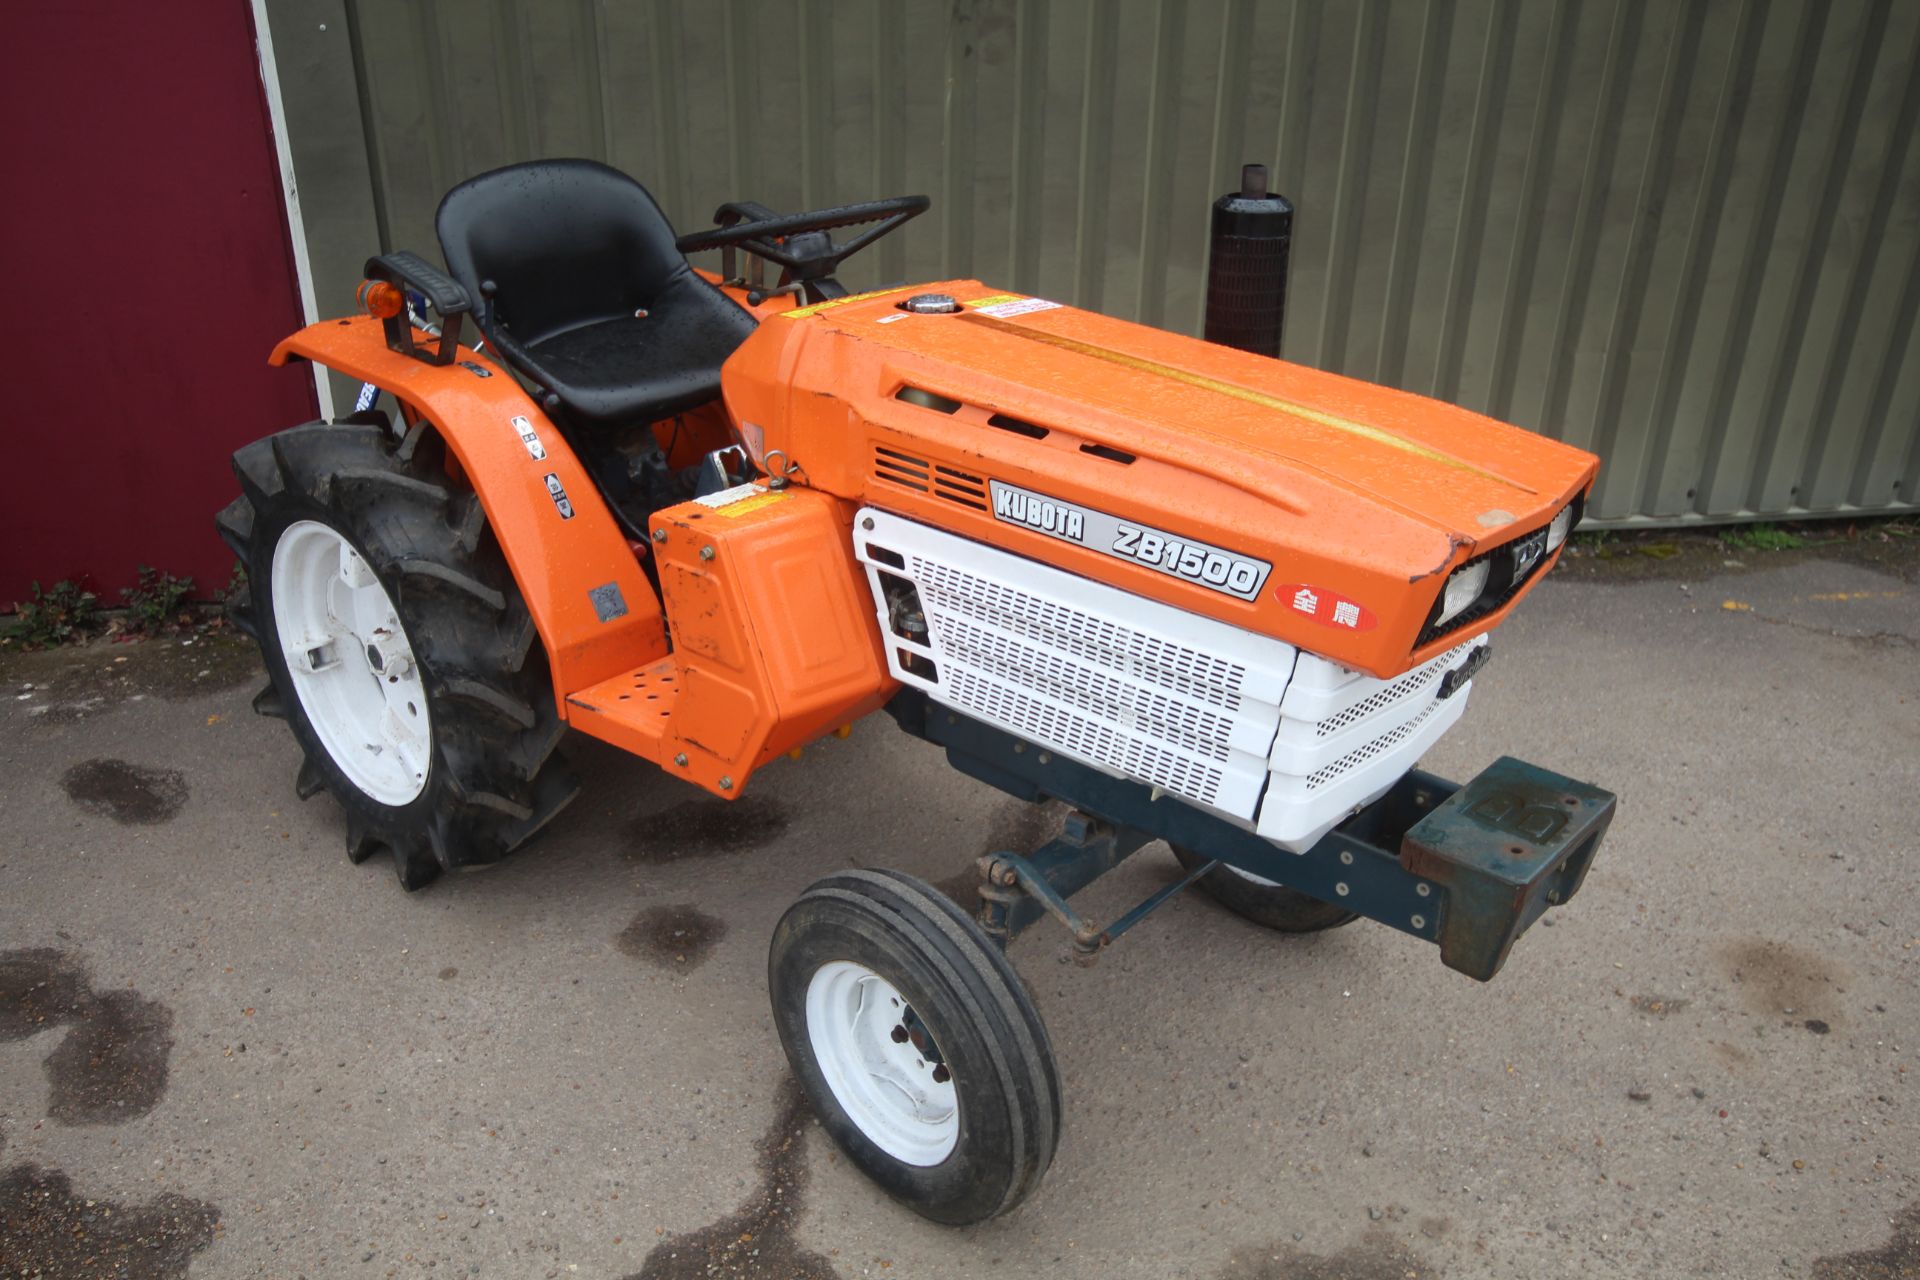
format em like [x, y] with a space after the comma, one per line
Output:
[917, 1044]
[1271, 905]
[399, 649]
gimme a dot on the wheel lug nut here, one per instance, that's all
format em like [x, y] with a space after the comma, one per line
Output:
[899, 1034]
[941, 1075]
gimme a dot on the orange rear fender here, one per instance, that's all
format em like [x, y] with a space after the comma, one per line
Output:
[594, 608]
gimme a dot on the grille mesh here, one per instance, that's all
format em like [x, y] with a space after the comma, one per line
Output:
[910, 472]
[1086, 688]
[1407, 686]
[947, 591]
[1347, 763]
[1044, 722]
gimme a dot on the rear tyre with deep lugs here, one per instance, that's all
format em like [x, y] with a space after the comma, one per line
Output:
[398, 647]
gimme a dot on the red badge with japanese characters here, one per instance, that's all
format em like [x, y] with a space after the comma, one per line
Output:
[1328, 608]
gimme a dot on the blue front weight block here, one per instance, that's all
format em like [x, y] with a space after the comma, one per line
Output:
[1514, 841]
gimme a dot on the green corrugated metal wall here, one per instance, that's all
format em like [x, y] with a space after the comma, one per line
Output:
[1681, 234]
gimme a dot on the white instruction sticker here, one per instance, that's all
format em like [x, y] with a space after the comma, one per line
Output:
[558, 492]
[529, 437]
[1018, 307]
[727, 497]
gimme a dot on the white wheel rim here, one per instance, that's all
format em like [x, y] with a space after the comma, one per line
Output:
[885, 1086]
[1252, 878]
[352, 666]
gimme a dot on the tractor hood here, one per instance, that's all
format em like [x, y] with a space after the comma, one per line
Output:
[1060, 433]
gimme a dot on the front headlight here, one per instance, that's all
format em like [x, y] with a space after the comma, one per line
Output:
[1464, 586]
[1557, 531]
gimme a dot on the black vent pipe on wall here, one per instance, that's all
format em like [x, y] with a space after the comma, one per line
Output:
[1247, 266]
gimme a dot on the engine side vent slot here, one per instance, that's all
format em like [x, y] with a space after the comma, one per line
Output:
[1109, 453]
[1019, 426]
[927, 399]
[902, 469]
[958, 486]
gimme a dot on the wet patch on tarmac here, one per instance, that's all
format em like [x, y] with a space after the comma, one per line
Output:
[676, 936]
[755, 1241]
[1018, 827]
[131, 794]
[79, 681]
[1780, 980]
[112, 1065]
[47, 1230]
[702, 829]
[1897, 1259]
[1377, 1256]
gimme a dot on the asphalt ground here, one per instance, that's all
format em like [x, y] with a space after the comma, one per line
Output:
[227, 1052]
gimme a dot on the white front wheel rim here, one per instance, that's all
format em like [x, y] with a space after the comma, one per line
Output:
[856, 1023]
[351, 664]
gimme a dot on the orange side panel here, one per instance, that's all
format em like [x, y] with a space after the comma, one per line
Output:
[775, 642]
[591, 603]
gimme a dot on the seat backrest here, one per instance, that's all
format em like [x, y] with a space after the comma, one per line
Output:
[564, 243]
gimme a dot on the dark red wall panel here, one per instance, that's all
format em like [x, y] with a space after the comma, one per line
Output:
[146, 275]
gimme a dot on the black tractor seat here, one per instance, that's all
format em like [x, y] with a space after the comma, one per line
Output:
[578, 285]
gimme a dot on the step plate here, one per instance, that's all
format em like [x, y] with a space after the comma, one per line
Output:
[631, 710]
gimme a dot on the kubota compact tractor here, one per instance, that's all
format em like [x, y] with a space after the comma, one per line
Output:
[1198, 595]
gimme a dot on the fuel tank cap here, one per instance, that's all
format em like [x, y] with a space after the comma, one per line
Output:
[931, 304]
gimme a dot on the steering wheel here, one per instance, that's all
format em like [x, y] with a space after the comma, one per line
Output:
[798, 241]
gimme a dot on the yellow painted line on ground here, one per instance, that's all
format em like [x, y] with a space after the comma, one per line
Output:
[1828, 597]
[1858, 595]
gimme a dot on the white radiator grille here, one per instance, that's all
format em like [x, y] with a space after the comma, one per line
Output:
[1242, 724]
[1114, 680]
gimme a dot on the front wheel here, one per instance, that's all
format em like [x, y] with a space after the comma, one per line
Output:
[917, 1044]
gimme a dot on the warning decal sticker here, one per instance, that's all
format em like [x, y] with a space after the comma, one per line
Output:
[1007, 308]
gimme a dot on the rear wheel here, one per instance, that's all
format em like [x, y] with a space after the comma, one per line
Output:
[398, 647]
[1262, 901]
[917, 1043]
